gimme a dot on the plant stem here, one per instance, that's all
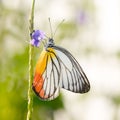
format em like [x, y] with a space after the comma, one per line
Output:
[30, 97]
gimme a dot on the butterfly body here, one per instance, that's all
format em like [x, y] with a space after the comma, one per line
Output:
[57, 68]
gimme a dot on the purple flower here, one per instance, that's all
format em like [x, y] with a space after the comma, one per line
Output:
[35, 43]
[37, 36]
[82, 17]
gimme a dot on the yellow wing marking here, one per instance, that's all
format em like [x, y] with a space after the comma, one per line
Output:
[44, 57]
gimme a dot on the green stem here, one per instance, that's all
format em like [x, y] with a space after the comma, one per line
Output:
[30, 97]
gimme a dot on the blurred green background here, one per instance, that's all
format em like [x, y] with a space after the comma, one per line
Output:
[96, 47]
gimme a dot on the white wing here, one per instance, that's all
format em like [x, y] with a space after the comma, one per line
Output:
[72, 76]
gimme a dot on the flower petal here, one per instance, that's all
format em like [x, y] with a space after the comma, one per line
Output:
[35, 43]
[38, 35]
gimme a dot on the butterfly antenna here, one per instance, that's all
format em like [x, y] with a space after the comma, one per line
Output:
[50, 28]
[58, 26]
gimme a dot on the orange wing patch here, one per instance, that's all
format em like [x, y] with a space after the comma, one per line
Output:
[38, 82]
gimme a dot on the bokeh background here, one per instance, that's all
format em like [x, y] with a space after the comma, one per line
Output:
[91, 32]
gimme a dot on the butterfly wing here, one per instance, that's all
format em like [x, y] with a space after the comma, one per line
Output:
[47, 75]
[57, 68]
[72, 76]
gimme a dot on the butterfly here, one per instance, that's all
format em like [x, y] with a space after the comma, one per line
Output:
[56, 68]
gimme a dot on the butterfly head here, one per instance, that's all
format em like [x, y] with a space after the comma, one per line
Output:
[50, 43]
